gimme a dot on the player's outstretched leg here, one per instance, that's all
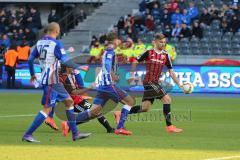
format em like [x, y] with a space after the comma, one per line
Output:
[39, 119]
[167, 114]
[104, 122]
[129, 102]
[72, 121]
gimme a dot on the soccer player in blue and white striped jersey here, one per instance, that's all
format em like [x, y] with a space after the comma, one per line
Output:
[51, 53]
[107, 89]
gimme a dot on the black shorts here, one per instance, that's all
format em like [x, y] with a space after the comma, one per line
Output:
[153, 91]
[82, 106]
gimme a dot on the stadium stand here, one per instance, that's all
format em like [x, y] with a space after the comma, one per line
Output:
[209, 27]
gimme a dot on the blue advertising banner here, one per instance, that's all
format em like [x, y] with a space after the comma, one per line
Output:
[22, 76]
[206, 79]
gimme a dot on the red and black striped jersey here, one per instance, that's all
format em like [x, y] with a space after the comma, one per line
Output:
[155, 61]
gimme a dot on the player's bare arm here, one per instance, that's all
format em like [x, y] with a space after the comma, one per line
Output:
[175, 79]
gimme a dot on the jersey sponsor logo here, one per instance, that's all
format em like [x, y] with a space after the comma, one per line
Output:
[109, 56]
[162, 56]
[157, 60]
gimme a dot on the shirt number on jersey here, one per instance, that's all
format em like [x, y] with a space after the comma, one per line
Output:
[43, 51]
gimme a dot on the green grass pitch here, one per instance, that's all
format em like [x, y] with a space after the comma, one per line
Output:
[211, 130]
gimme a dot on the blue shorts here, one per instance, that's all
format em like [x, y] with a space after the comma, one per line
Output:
[54, 93]
[112, 92]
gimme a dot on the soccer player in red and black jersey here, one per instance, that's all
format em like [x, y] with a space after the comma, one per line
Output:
[67, 77]
[156, 59]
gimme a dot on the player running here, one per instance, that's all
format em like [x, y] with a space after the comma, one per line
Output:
[155, 59]
[50, 53]
[108, 91]
[71, 84]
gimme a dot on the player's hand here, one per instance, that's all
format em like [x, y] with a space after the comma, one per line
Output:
[33, 78]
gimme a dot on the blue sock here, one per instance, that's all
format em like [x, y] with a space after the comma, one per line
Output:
[51, 113]
[83, 116]
[39, 119]
[72, 120]
[124, 114]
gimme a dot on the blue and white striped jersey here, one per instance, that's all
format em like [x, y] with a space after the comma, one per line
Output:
[49, 51]
[109, 64]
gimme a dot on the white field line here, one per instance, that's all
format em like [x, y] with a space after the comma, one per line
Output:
[224, 158]
[30, 115]
[14, 116]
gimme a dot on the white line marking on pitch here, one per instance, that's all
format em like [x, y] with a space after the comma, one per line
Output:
[13, 116]
[30, 115]
[223, 158]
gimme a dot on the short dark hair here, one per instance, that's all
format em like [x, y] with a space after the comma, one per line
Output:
[111, 37]
[159, 36]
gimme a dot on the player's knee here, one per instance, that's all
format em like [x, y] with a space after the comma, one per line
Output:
[167, 99]
[69, 103]
[132, 102]
[95, 112]
[146, 107]
[47, 110]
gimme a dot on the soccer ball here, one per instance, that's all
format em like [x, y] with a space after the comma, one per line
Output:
[188, 87]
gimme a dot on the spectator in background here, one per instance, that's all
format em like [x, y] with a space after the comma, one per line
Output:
[182, 4]
[156, 12]
[128, 28]
[197, 30]
[82, 15]
[226, 11]
[21, 15]
[93, 41]
[139, 48]
[11, 57]
[3, 21]
[34, 20]
[224, 25]
[151, 3]
[21, 36]
[14, 26]
[53, 16]
[214, 12]
[205, 17]
[167, 31]
[176, 30]
[142, 6]
[30, 36]
[15, 36]
[192, 11]
[5, 41]
[146, 13]
[120, 24]
[185, 17]
[185, 31]
[102, 38]
[165, 18]
[23, 51]
[176, 18]
[95, 52]
[149, 23]
[172, 6]
[234, 24]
